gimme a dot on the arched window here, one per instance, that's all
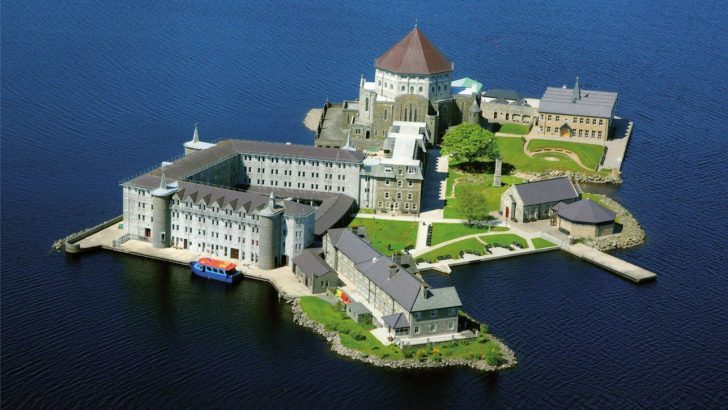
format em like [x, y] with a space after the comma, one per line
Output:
[403, 88]
[367, 135]
[433, 88]
[420, 88]
[412, 89]
[439, 88]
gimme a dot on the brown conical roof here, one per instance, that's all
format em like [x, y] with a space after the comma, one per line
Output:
[414, 54]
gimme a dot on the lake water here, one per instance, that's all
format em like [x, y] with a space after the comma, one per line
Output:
[93, 92]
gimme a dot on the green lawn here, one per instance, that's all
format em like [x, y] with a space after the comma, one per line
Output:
[589, 154]
[357, 336]
[442, 232]
[452, 251]
[505, 239]
[366, 211]
[511, 150]
[540, 243]
[484, 182]
[518, 129]
[388, 236]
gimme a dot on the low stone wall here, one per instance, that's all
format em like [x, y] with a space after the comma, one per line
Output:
[575, 176]
[632, 233]
[69, 243]
[300, 317]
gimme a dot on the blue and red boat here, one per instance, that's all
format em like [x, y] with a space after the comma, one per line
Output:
[215, 269]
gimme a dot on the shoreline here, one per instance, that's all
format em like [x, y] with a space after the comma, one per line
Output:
[632, 233]
[301, 318]
[311, 120]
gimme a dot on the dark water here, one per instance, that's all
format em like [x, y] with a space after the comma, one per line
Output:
[93, 92]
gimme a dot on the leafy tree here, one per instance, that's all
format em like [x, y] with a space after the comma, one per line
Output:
[471, 203]
[470, 142]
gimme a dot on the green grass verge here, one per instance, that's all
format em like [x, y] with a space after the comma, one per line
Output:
[518, 129]
[357, 336]
[388, 236]
[452, 251]
[540, 243]
[367, 211]
[442, 232]
[589, 154]
[511, 150]
[484, 182]
[504, 239]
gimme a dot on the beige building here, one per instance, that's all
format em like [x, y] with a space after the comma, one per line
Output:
[575, 113]
[504, 106]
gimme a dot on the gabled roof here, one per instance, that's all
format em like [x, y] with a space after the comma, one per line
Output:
[591, 103]
[396, 321]
[311, 263]
[354, 247]
[547, 190]
[414, 54]
[585, 211]
[437, 298]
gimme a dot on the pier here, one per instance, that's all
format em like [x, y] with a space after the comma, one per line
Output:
[610, 263]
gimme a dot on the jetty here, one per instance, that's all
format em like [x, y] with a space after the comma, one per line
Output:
[610, 263]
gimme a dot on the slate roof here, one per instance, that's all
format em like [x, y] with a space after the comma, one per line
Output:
[311, 263]
[503, 93]
[584, 211]
[547, 190]
[396, 321]
[359, 309]
[222, 197]
[592, 103]
[437, 298]
[414, 54]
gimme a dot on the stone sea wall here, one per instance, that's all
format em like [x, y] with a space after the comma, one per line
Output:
[632, 233]
[575, 176]
[300, 317]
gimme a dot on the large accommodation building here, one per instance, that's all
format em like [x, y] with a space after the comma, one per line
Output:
[531, 201]
[412, 82]
[220, 199]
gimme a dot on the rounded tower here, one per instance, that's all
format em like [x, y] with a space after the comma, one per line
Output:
[269, 239]
[161, 214]
[474, 114]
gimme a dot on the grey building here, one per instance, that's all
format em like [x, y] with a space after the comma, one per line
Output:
[585, 219]
[531, 201]
[312, 270]
[399, 301]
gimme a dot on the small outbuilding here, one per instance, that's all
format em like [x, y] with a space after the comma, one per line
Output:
[313, 271]
[359, 313]
[532, 201]
[584, 219]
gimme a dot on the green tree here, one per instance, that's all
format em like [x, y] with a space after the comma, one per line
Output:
[469, 142]
[471, 203]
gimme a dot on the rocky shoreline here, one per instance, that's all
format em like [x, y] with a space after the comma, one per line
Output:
[632, 233]
[300, 317]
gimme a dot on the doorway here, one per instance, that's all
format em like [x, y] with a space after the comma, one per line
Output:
[147, 233]
[234, 253]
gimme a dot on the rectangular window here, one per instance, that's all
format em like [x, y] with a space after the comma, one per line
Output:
[433, 327]
[451, 325]
[557, 118]
[433, 314]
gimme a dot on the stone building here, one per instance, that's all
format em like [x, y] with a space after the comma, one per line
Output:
[504, 106]
[391, 181]
[398, 300]
[575, 113]
[584, 219]
[313, 271]
[531, 201]
[411, 83]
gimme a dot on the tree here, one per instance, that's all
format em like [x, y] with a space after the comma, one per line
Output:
[471, 203]
[470, 142]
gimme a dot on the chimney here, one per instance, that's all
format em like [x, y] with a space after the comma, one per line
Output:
[392, 270]
[374, 259]
[423, 289]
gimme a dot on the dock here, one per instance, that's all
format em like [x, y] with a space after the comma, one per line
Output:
[610, 263]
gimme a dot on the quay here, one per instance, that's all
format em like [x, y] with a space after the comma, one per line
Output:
[610, 263]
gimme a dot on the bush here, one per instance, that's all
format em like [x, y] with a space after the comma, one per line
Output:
[357, 335]
[484, 328]
[421, 354]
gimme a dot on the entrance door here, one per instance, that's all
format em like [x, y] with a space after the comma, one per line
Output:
[284, 260]
[565, 132]
[234, 253]
[147, 233]
[185, 244]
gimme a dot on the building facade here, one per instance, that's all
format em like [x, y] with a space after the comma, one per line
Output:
[508, 107]
[532, 201]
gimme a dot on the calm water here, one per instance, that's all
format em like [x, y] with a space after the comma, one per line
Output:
[93, 92]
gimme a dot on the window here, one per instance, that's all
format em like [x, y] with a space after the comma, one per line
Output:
[417, 330]
[399, 184]
[403, 88]
[399, 195]
[412, 89]
[581, 120]
[387, 169]
[418, 315]
[601, 122]
[451, 325]
[409, 196]
[549, 117]
[433, 314]
[386, 195]
[386, 182]
[420, 88]
[433, 327]
[410, 183]
[557, 118]
[600, 134]
[410, 170]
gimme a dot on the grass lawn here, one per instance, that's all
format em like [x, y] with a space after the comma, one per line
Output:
[511, 150]
[505, 239]
[365, 211]
[518, 129]
[388, 236]
[357, 336]
[452, 251]
[442, 232]
[540, 243]
[589, 154]
[484, 182]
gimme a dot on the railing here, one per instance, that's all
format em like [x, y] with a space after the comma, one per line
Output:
[118, 242]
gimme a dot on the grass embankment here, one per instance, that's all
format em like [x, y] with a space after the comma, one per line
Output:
[356, 336]
[518, 129]
[457, 179]
[595, 198]
[388, 236]
[540, 243]
[472, 246]
[442, 232]
[589, 154]
[511, 150]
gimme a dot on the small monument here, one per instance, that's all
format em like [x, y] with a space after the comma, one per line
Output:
[498, 170]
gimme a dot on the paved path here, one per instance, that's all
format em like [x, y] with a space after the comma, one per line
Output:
[611, 263]
[617, 145]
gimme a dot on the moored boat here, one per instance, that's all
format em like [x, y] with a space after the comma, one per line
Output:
[215, 269]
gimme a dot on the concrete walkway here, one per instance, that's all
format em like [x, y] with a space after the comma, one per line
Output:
[617, 145]
[611, 263]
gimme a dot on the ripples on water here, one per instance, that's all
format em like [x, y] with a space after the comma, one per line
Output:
[95, 92]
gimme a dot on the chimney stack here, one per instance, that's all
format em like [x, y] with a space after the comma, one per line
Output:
[392, 270]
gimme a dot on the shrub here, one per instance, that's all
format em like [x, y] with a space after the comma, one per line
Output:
[421, 354]
[357, 335]
[484, 328]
